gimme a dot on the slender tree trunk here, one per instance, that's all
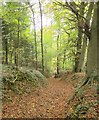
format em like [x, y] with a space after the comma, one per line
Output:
[36, 57]
[58, 55]
[6, 47]
[11, 54]
[17, 47]
[5, 29]
[83, 52]
[64, 58]
[46, 62]
[42, 51]
[35, 40]
[3, 55]
[6, 51]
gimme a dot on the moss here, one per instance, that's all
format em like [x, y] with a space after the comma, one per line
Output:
[19, 80]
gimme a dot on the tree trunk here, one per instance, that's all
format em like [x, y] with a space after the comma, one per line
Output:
[6, 51]
[58, 55]
[93, 49]
[36, 57]
[17, 47]
[98, 41]
[83, 52]
[11, 54]
[5, 31]
[79, 41]
[64, 58]
[12, 49]
[42, 51]
[77, 57]
[3, 55]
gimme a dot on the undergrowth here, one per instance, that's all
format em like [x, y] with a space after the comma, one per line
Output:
[83, 103]
[21, 80]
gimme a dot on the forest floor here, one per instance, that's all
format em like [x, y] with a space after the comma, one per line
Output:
[51, 101]
[47, 102]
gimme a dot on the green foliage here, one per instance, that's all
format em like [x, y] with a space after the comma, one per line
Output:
[11, 12]
[17, 19]
[81, 109]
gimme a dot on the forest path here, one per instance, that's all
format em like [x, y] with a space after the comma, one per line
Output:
[49, 102]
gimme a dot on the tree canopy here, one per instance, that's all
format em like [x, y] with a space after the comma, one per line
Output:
[47, 35]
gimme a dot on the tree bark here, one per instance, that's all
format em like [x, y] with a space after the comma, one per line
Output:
[58, 55]
[97, 42]
[93, 49]
[17, 47]
[5, 39]
[36, 57]
[83, 51]
[64, 58]
[6, 51]
[77, 57]
[79, 41]
[42, 51]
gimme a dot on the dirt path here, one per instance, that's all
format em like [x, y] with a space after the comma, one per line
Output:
[49, 102]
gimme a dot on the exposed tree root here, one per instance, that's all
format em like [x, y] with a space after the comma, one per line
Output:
[88, 79]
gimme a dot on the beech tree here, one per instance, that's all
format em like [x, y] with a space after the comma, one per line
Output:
[42, 51]
[65, 43]
[93, 48]
[34, 25]
[85, 39]
[79, 39]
